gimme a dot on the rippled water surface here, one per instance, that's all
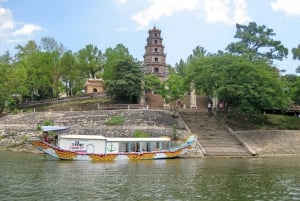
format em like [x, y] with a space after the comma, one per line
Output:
[31, 177]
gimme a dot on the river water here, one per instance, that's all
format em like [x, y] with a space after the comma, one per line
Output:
[26, 176]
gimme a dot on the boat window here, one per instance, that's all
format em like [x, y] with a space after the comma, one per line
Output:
[149, 146]
[134, 147]
[123, 147]
[164, 145]
[155, 146]
[143, 146]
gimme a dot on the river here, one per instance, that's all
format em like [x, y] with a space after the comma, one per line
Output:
[26, 176]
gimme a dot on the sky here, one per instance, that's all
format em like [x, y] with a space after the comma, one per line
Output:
[184, 24]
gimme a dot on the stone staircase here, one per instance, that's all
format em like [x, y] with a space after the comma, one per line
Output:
[212, 135]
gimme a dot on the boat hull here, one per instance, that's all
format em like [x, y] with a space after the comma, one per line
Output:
[63, 154]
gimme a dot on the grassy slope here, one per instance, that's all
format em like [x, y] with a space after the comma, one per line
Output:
[263, 122]
[76, 105]
[235, 121]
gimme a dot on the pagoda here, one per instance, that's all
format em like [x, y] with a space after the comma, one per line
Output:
[154, 57]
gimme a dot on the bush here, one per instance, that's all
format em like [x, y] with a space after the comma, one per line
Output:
[140, 134]
[16, 111]
[115, 120]
[47, 122]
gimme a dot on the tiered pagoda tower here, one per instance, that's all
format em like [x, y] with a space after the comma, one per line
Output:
[154, 57]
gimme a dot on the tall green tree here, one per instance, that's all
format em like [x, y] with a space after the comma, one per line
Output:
[90, 60]
[113, 56]
[181, 68]
[242, 84]
[173, 89]
[12, 85]
[152, 83]
[125, 84]
[6, 58]
[55, 51]
[198, 53]
[40, 68]
[293, 87]
[256, 43]
[296, 55]
[49, 44]
[71, 74]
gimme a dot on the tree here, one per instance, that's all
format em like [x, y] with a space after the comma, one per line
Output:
[90, 60]
[296, 92]
[247, 86]
[296, 52]
[71, 74]
[198, 53]
[173, 89]
[39, 70]
[125, 84]
[256, 43]
[6, 58]
[25, 51]
[113, 56]
[293, 87]
[296, 55]
[54, 50]
[49, 44]
[152, 83]
[181, 68]
[12, 85]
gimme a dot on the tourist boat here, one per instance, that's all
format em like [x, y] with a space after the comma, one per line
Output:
[100, 148]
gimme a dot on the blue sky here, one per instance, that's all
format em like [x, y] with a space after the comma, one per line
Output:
[185, 24]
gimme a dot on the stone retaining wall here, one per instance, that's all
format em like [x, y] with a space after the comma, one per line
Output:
[272, 142]
[15, 129]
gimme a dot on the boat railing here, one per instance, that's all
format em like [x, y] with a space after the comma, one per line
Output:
[187, 143]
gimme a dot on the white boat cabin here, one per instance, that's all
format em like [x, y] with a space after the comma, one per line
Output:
[101, 145]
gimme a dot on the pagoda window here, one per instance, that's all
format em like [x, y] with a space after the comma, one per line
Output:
[156, 59]
[155, 49]
[155, 41]
[155, 34]
[156, 70]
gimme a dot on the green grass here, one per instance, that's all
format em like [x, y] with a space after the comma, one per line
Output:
[115, 120]
[76, 105]
[263, 122]
[140, 134]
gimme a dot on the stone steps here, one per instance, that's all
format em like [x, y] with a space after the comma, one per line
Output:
[213, 137]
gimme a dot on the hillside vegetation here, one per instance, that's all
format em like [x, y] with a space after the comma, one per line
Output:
[262, 122]
[236, 121]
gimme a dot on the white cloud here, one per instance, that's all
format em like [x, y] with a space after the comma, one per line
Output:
[27, 30]
[290, 7]
[122, 1]
[6, 22]
[159, 8]
[11, 30]
[225, 11]
[217, 11]
[240, 13]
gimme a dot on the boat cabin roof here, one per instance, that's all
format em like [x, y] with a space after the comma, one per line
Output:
[99, 137]
[53, 128]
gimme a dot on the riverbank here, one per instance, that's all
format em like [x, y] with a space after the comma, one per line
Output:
[16, 129]
[272, 142]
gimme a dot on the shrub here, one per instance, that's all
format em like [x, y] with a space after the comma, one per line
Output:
[115, 120]
[47, 122]
[16, 111]
[140, 134]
